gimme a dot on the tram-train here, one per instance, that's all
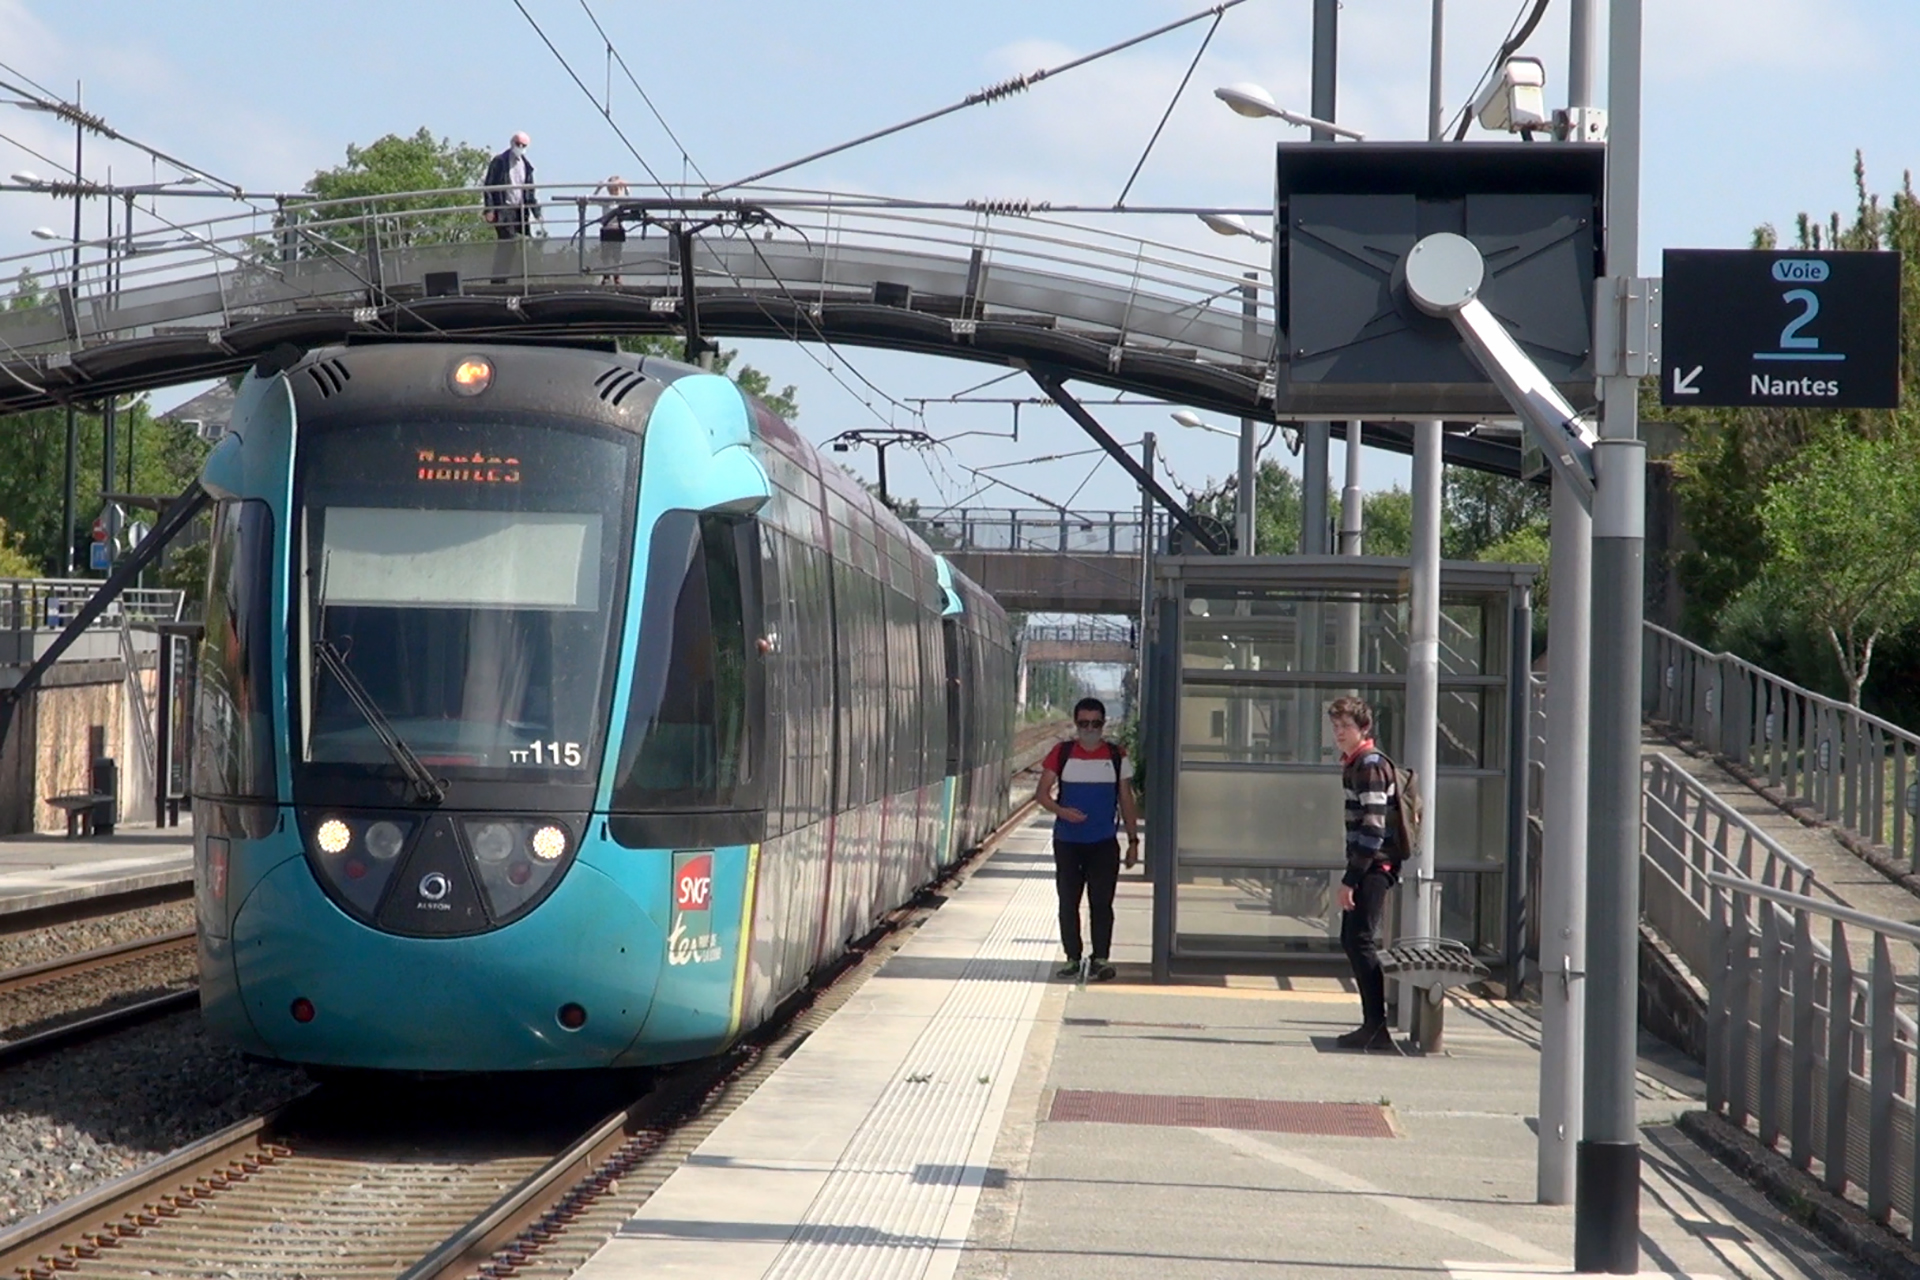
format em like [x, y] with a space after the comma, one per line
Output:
[559, 708]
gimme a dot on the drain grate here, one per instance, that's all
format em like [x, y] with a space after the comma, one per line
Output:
[1328, 1119]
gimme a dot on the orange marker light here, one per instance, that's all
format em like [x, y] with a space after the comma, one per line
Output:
[472, 376]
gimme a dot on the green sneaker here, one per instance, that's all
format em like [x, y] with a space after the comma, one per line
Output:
[1102, 972]
[1071, 969]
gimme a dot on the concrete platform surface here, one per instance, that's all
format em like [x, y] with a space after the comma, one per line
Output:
[966, 1115]
[43, 870]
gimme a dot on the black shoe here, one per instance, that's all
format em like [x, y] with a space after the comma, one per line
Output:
[1102, 971]
[1362, 1036]
[1071, 969]
[1382, 1042]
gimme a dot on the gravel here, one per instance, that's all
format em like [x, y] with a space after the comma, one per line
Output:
[88, 1114]
[17, 950]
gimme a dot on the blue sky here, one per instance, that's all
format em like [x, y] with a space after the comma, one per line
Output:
[1753, 111]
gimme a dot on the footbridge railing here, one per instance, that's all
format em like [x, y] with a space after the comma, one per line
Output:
[991, 282]
[1852, 769]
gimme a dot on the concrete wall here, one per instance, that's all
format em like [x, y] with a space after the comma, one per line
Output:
[47, 750]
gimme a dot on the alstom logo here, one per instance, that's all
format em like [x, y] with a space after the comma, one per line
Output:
[693, 884]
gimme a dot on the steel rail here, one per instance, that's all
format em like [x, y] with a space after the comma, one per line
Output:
[90, 1028]
[34, 975]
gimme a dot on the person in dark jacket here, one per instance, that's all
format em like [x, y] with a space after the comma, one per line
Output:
[510, 199]
[1373, 864]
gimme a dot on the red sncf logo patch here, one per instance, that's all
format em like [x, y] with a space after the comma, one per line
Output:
[693, 885]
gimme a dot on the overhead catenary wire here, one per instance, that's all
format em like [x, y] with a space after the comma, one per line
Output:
[1201, 52]
[1517, 35]
[605, 113]
[96, 124]
[992, 93]
[614, 53]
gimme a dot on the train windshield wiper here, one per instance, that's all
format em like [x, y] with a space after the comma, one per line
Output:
[424, 783]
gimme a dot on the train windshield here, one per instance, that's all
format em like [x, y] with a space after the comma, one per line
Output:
[467, 577]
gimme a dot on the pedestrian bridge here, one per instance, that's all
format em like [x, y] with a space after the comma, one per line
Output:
[1011, 285]
[1044, 561]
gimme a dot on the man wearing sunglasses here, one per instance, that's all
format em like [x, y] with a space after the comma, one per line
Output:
[1084, 782]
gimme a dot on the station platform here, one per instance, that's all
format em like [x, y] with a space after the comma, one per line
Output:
[966, 1115]
[43, 871]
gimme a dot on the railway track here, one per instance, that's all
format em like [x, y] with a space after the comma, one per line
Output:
[429, 1181]
[67, 999]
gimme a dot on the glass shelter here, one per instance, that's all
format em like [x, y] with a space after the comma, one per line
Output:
[1245, 655]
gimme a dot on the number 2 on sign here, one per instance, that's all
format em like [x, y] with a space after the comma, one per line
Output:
[566, 753]
[1790, 339]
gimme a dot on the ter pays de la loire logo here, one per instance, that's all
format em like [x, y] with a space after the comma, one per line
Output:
[692, 939]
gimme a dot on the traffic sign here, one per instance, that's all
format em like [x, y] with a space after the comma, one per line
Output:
[99, 556]
[1780, 328]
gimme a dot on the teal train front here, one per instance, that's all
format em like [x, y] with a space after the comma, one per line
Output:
[559, 708]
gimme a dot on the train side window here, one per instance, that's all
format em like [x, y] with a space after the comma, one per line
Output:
[234, 747]
[694, 716]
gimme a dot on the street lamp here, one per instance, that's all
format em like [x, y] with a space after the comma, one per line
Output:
[1188, 418]
[47, 233]
[1256, 103]
[1232, 224]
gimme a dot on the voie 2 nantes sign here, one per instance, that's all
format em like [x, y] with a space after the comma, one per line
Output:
[1780, 328]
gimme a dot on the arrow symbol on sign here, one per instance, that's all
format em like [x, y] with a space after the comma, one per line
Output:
[1684, 386]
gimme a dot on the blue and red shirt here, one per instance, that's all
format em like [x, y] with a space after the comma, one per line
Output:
[1089, 782]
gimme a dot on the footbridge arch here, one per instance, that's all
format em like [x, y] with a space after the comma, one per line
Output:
[1018, 286]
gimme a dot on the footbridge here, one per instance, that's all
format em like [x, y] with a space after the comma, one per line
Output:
[1045, 561]
[1091, 640]
[1008, 284]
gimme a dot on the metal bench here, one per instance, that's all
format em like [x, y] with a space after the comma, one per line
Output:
[1431, 965]
[80, 811]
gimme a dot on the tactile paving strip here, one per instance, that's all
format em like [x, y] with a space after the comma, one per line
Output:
[1327, 1119]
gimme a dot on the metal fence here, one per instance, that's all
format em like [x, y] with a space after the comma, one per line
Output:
[1689, 833]
[1017, 529]
[48, 604]
[1092, 631]
[1811, 1050]
[1853, 769]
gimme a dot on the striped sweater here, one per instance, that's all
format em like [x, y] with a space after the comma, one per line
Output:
[1367, 777]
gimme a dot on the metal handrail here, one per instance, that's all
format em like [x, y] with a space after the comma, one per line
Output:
[46, 604]
[816, 246]
[1810, 1050]
[1854, 769]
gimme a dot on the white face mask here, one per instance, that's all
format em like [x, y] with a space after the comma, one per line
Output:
[519, 150]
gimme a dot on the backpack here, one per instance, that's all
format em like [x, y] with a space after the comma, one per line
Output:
[1410, 808]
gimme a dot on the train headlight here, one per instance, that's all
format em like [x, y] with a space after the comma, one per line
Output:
[471, 376]
[384, 840]
[492, 842]
[548, 843]
[333, 836]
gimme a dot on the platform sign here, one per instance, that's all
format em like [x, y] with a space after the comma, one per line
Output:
[1789, 329]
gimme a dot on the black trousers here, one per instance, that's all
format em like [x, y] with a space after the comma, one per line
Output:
[1092, 868]
[1360, 938]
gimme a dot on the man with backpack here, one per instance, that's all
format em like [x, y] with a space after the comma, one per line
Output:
[1083, 782]
[1376, 847]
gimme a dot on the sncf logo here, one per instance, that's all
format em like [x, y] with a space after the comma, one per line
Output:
[693, 884]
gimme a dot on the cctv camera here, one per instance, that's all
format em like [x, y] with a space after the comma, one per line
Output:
[1515, 100]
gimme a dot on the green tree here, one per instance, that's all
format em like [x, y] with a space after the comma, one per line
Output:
[1386, 522]
[1482, 509]
[1276, 506]
[1844, 531]
[393, 165]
